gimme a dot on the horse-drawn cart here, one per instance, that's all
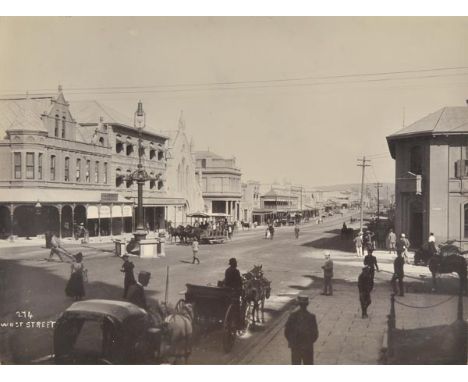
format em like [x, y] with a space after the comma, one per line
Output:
[215, 307]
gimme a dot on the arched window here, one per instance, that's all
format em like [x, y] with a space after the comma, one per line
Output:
[152, 181]
[160, 185]
[160, 155]
[118, 144]
[416, 160]
[56, 130]
[63, 127]
[129, 149]
[104, 172]
[152, 153]
[119, 179]
[129, 181]
[101, 141]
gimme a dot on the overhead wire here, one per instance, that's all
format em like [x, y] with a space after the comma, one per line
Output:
[255, 84]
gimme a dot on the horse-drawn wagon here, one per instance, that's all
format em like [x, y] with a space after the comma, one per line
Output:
[218, 307]
[229, 309]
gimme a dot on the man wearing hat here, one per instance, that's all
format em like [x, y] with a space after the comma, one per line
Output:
[402, 246]
[301, 332]
[365, 284]
[327, 275]
[232, 277]
[398, 274]
[129, 278]
[136, 292]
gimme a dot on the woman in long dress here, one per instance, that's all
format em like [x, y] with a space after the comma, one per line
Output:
[75, 285]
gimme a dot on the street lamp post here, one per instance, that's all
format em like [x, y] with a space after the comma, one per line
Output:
[140, 176]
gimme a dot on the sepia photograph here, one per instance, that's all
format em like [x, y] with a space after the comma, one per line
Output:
[233, 190]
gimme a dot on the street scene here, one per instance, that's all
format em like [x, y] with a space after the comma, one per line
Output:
[231, 197]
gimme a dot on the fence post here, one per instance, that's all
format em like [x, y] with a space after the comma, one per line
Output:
[391, 326]
[460, 306]
[463, 329]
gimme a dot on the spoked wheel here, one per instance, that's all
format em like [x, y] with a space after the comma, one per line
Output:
[230, 328]
[246, 318]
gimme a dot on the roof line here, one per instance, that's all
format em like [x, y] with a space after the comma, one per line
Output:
[440, 116]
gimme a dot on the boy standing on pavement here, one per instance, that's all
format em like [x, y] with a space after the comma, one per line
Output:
[301, 332]
[327, 276]
[391, 241]
[296, 231]
[195, 251]
[358, 244]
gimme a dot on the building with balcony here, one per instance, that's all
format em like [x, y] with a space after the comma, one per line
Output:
[431, 177]
[65, 164]
[52, 176]
[220, 181]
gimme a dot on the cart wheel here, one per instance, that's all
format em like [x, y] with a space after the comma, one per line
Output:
[246, 317]
[230, 329]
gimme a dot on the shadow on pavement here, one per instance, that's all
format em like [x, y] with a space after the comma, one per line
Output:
[332, 243]
[40, 290]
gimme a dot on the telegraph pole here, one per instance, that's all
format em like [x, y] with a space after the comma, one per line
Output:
[378, 186]
[362, 163]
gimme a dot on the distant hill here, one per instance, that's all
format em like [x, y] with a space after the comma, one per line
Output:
[356, 187]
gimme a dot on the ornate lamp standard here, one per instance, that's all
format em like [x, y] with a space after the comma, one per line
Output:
[141, 177]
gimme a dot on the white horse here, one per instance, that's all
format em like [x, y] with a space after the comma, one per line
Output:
[178, 332]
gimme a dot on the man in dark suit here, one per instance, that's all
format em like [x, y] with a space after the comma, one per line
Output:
[398, 274]
[232, 277]
[136, 292]
[365, 284]
[301, 332]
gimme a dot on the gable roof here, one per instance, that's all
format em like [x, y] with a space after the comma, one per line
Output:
[91, 112]
[23, 113]
[448, 120]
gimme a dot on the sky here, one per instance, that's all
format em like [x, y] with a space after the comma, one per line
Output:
[292, 99]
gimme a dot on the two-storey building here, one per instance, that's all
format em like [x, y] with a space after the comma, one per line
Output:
[431, 177]
[52, 176]
[220, 181]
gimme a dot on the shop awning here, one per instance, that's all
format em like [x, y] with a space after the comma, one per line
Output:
[56, 195]
[198, 215]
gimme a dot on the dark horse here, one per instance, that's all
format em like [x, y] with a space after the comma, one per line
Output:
[245, 225]
[256, 289]
[448, 264]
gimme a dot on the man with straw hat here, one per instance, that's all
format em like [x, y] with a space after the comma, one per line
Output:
[301, 332]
